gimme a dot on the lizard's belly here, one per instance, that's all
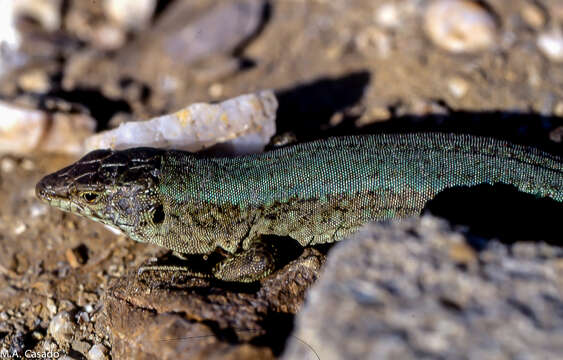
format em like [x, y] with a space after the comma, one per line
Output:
[319, 221]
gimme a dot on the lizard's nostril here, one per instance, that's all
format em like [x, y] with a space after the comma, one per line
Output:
[40, 190]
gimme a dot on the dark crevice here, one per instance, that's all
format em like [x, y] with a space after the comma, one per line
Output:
[101, 108]
[499, 211]
[278, 327]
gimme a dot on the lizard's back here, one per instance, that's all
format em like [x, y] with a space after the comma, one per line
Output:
[320, 191]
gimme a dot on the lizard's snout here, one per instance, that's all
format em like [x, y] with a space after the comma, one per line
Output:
[47, 189]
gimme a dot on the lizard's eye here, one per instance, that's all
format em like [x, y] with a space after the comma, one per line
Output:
[90, 197]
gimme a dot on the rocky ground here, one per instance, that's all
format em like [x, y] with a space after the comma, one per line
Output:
[337, 67]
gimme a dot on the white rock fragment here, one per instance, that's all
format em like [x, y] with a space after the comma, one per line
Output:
[458, 86]
[130, 14]
[388, 16]
[25, 130]
[246, 123]
[550, 44]
[20, 129]
[459, 26]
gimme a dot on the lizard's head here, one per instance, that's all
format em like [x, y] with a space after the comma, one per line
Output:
[117, 188]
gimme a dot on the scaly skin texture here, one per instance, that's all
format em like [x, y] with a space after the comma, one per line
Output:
[315, 192]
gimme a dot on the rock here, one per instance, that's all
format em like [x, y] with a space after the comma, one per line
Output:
[45, 12]
[388, 15]
[97, 352]
[374, 115]
[25, 130]
[81, 346]
[533, 15]
[34, 81]
[373, 40]
[210, 30]
[108, 37]
[130, 14]
[558, 110]
[458, 86]
[243, 124]
[62, 328]
[20, 128]
[193, 319]
[416, 289]
[550, 44]
[459, 26]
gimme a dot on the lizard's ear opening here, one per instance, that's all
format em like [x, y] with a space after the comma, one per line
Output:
[158, 214]
[89, 197]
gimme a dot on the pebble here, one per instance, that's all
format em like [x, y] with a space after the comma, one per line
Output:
[558, 110]
[51, 307]
[373, 39]
[97, 352]
[550, 44]
[46, 13]
[458, 87]
[216, 90]
[108, 37]
[130, 14]
[459, 26]
[20, 228]
[62, 328]
[81, 346]
[374, 115]
[35, 81]
[388, 16]
[533, 15]
[7, 165]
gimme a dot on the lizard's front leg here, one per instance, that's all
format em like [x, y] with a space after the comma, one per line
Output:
[248, 265]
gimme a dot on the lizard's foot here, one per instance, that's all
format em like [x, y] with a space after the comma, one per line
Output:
[248, 266]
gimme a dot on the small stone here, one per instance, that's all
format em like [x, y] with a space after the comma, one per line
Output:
[62, 328]
[130, 14]
[216, 90]
[19, 228]
[458, 87]
[7, 165]
[462, 253]
[336, 118]
[28, 165]
[35, 81]
[459, 26]
[388, 15]
[558, 110]
[550, 44]
[81, 346]
[51, 307]
[373, 39]
[97, 352]
[82, 318]
[533, 15]
[46, 13]
[374, 115]
[108, 37]
[556, 135]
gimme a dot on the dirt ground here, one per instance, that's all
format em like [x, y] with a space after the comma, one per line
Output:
[336, 68]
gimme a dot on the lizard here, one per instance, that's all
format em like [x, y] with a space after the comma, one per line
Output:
[314, 192]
